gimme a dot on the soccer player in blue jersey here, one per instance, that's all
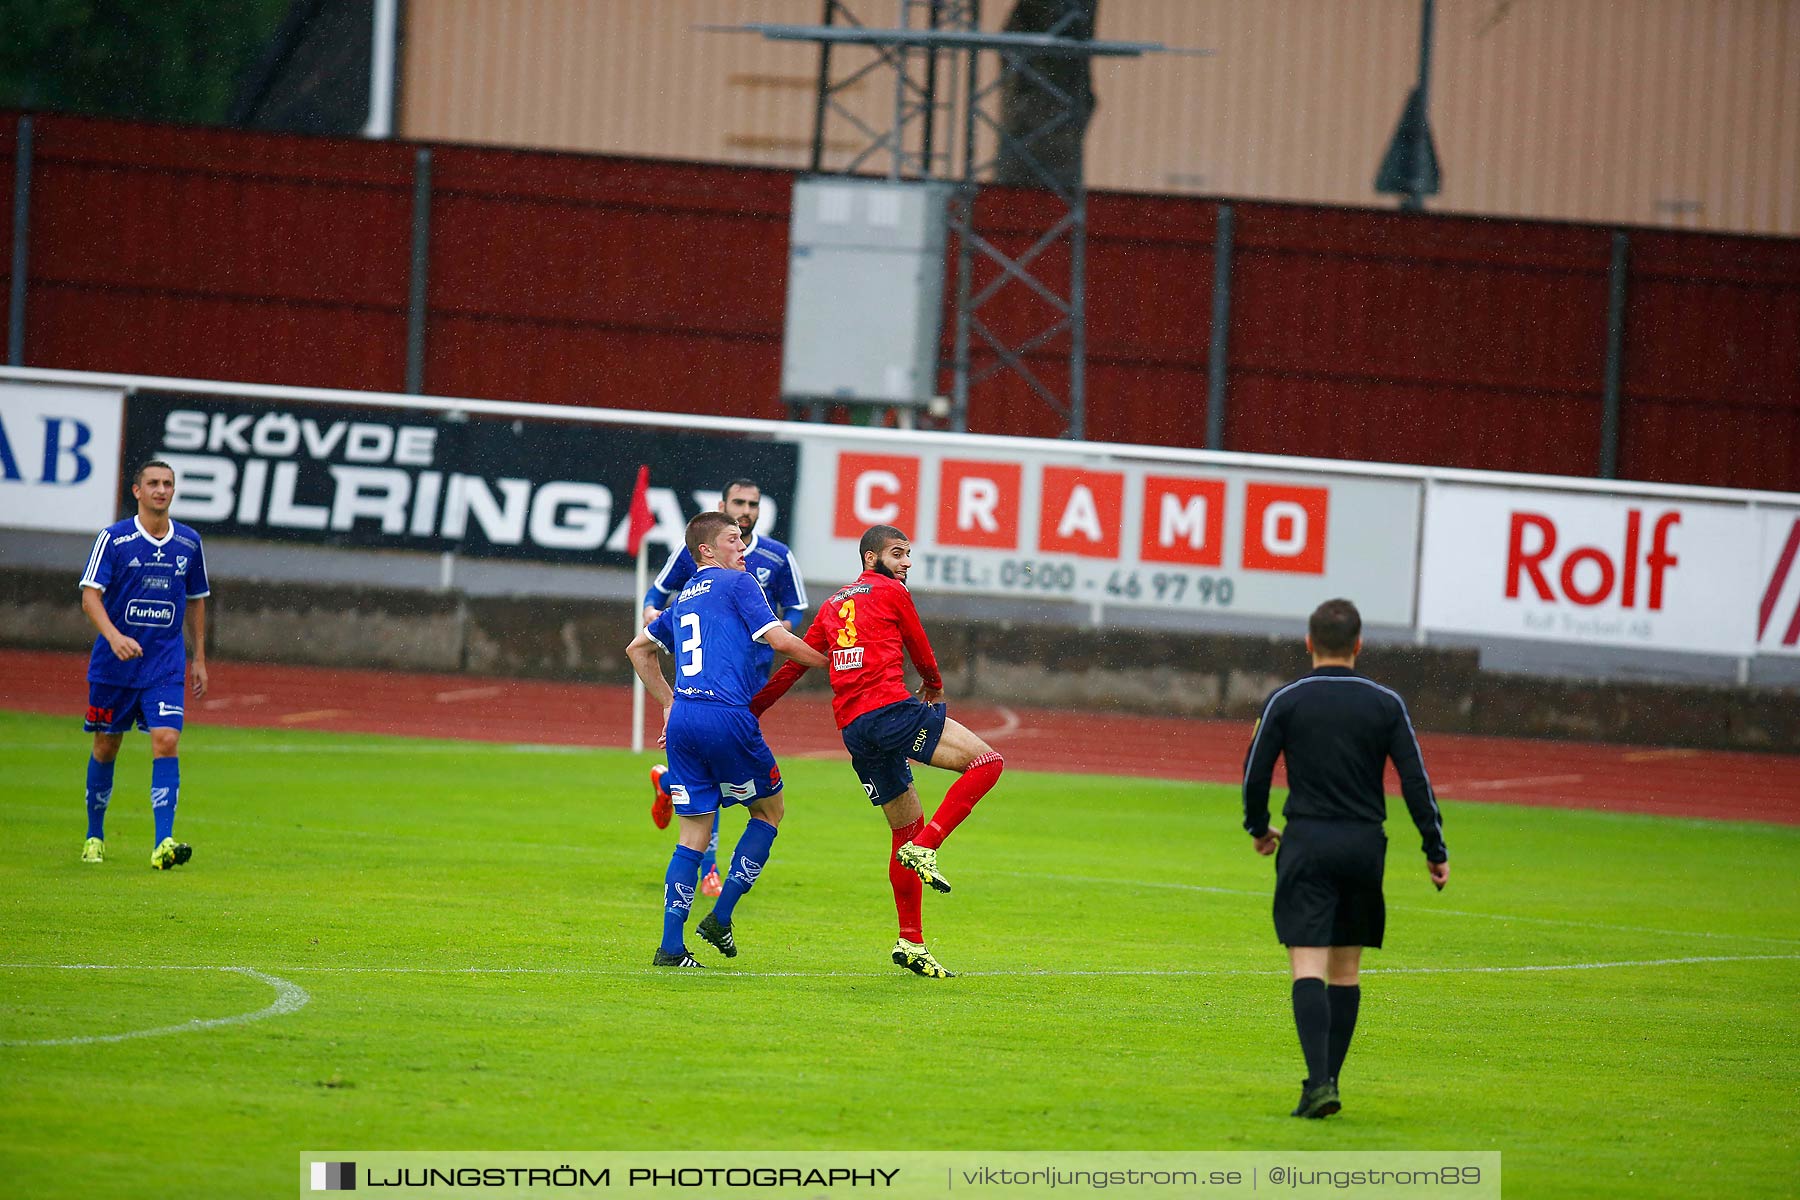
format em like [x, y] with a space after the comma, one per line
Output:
[778, 575]
[145, 579]
[720, 630]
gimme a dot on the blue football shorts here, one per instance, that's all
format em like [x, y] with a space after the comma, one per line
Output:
[717, 758]
[114, 709]
[880, 742]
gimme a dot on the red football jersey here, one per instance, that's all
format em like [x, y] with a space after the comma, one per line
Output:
[866, 629]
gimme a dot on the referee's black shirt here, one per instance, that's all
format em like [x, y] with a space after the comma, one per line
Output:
[1336, 728]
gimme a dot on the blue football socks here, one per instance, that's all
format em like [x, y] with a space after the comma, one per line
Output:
[678, 896]
[746, 864]
[165, 785]
[99, 795]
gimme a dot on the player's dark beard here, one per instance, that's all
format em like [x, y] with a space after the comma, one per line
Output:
[881, 568]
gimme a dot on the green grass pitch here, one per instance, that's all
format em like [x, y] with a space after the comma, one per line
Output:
[473, 925]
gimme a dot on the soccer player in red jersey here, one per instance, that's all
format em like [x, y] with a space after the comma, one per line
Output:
[868, 629]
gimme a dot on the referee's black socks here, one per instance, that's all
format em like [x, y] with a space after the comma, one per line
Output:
[1344, 1001]
[1312, 1020]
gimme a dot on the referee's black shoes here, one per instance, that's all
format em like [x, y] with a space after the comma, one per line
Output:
[1317, 1102]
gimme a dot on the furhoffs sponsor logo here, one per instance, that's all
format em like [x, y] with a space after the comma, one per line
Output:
[160, 613]
[334, 1177]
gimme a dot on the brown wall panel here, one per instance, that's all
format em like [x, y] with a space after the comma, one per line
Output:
[557, 363]
[1150, 274]
[1151, 403]
[659, 281]
[556, 261]
[1448, 343]
[1378, 421]
[1712, 444]
[217, 254]
[1005, 405]
[655, 285]
[9, 148]
[212, 337]
[1712, 362]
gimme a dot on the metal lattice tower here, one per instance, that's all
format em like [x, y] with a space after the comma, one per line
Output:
[946, 125]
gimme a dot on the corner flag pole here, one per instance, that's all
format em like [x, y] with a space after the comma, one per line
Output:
[642, 521]
[637, 685]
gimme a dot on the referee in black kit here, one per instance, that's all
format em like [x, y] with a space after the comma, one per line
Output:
[1337, 728]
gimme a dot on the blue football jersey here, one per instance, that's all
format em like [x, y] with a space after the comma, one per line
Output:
[765, 558]
[145, 585]
[715, 630]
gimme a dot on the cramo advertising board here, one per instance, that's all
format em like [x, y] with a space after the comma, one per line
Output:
[1077, 525]
[1667, 574]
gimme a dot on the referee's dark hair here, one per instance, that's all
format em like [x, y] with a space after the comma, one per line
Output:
[1334, 627]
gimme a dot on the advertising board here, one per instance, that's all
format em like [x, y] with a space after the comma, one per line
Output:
[1663, 574]
[59, 457]
[422, 480]
[1070, 526]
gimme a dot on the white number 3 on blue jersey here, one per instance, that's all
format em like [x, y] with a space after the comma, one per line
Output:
[690, 648]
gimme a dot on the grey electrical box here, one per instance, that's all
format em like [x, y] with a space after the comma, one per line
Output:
[865, 292]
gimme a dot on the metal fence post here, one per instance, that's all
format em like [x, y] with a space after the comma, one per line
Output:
[21, 245]
[421, 263]
[1615, 355]
[1217, 351]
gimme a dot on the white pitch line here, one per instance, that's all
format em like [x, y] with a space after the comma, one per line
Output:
[1009, 724]
[1638, 756]
[311, 714]
[1008, 727]
[474, 693]
[1592, 966]
[358, 748]
[1171, 885]
[288, 998]
[241, 701]
[1477, 970]
[1523, 781]
[1022, 973]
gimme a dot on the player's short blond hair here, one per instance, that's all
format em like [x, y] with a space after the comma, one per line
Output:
[704, 530]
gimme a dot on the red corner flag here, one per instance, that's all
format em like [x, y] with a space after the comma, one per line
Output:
[642, 521]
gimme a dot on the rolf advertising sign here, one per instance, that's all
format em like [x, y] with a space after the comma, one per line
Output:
[1068, 527]
[1644, 571]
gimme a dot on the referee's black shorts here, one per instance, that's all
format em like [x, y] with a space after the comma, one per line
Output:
[1328, 883]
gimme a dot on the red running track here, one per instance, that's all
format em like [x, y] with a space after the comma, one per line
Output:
[1614, 778]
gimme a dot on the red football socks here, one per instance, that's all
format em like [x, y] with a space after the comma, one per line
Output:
[982, 775]
[908, 887]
